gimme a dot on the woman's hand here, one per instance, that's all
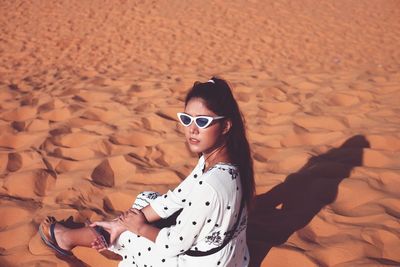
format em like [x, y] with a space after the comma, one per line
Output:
[114, 228]
[133, 220]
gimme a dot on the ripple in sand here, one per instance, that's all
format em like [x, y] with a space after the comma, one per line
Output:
[311, 139]
[20, 114]
[30, 184]
[3, 162]
[346, 203]
[344, 100]
[381, 159]
[93, 96]
[343, 249]
[76, 153]
[384, 142]
[77, 139]
[173, 153]
[37, 125]
[388, 241]
[156, 177]
[66, 165]
[24, 233]
[120, 201]
[57, 114]
[21, 140]
[105, 115]
[279, 107]
[137, 138]
[287, 256]
[320, 122]
[15, 215]
[288, 160]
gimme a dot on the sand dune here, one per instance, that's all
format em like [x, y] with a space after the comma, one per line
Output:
[88, 96]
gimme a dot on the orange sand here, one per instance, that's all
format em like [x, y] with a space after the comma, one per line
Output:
[89, 91]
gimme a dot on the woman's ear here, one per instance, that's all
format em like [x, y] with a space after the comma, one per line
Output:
[227, 126]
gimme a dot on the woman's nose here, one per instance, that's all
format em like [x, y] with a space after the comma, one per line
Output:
[193, 128]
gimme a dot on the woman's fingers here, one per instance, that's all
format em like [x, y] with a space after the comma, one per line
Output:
[135, 211]
[98, 245]
[102, 224]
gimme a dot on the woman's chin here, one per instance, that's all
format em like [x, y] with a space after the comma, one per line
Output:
[195, 149]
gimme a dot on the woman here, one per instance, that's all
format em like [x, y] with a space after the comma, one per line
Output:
[209, 205]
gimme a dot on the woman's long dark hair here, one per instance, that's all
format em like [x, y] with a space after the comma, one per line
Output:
[218, 98]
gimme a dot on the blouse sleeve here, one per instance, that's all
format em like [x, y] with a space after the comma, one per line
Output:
[178, 238]
[172, 201]
[167, 204]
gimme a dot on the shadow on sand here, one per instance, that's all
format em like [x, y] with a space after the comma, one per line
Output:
[291, 205]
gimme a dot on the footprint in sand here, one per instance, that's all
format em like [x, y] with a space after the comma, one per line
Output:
[18, 125]
[113, 171]
[14, 162]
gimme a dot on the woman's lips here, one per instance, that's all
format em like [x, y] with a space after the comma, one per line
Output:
[193, 141]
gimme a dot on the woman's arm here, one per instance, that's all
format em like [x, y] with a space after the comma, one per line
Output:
[150, 214]
[136, 222]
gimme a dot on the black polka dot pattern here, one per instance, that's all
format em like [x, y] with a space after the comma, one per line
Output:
[195, 201]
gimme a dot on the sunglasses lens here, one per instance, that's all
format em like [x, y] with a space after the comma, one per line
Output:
[202, 122]
[186, 120]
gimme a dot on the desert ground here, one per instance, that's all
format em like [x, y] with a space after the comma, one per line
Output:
[88, 96]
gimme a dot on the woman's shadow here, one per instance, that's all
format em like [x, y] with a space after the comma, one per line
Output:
[291, 205]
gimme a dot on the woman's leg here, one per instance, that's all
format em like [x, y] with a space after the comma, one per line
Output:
[69, 238]
[58, 236]
[55, 235]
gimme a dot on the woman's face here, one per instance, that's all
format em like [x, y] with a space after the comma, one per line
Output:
[207, 139]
